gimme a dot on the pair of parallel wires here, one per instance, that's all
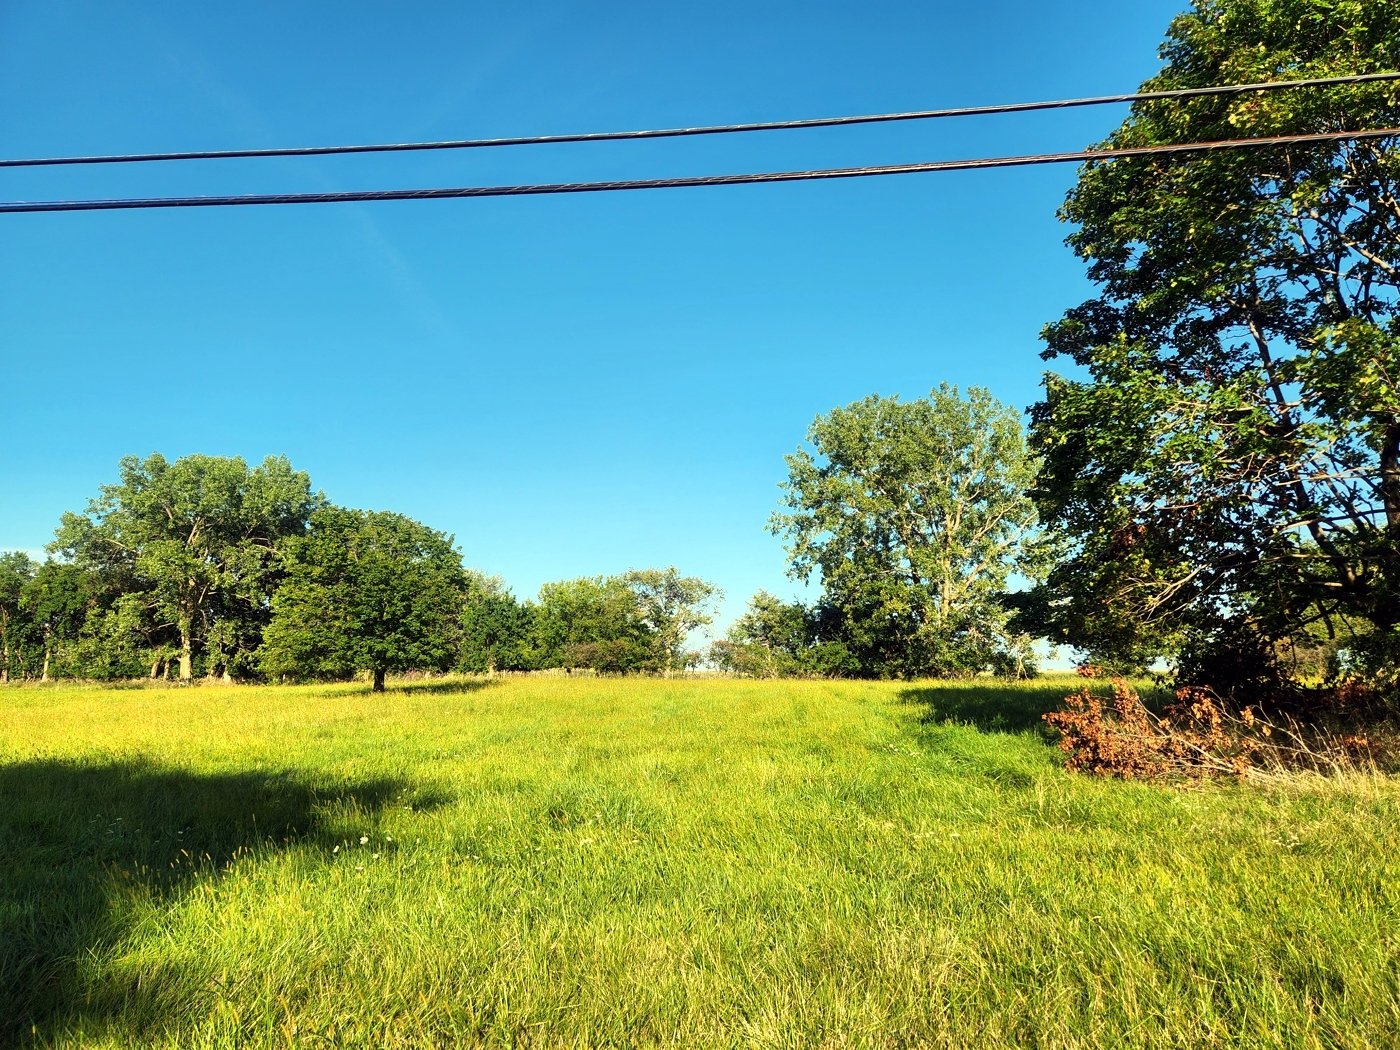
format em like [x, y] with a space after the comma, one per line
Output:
[702, 180]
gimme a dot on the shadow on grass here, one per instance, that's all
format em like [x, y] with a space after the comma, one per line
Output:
[439, 687]
[989, 707]
[82, 845]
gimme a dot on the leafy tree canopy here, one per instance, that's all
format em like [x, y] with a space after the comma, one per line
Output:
[914, 515]
[635, 621]
[365, 591]
[16, 573]
[1227, 472]
[56, 604]
[778, 639]
[496, 630]
[591, 621]
[196, 538]
[670, 606]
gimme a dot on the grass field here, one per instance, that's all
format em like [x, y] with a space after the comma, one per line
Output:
[594, 862]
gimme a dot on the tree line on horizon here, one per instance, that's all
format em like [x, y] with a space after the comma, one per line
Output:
[1214, 486]
[208, 568]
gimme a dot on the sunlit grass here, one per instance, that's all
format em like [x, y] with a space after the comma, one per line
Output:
[605, 862]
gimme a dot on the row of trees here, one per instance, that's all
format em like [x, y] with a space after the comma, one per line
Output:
[1217, 485]
[207, 567]
[910, 516]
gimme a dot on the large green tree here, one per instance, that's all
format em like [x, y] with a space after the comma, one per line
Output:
[365, 591]
[16, 572]
[1226, 461]
[593, 621]
[671, 606]
[196, 539]
[914, 515]
[496, 630]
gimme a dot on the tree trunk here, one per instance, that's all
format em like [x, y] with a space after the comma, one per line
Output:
[378, 680]
[1390, 477]
[48, 646]
[669, 656]
[156, 668]
[227, 678]
[186, 655]
[1382, 612]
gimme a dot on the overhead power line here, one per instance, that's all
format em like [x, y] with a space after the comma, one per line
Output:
[718, 129]
[700, 180]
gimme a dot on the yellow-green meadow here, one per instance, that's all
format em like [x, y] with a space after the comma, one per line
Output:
[553, 861]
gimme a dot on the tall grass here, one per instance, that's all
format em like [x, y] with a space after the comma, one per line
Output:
[546, 862]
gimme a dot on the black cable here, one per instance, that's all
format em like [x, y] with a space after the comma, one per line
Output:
[721, 129]
[700, 180]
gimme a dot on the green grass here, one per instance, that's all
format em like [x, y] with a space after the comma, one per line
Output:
[555, 862]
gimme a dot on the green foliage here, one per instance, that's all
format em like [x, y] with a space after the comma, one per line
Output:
[670, 606]
[16, 575]
[1228, 474]
[778, 639]
[365, 591]
[768, 641]
[44, 612]
[61, 604]
[496, 630]
[914, 516]
[196, 540]
[207, 565]
[637, 621]
[592, 621]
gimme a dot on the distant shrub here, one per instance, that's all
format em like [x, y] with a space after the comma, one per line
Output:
[778, 639]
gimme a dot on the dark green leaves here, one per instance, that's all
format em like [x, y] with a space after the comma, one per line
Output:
[365, 591]
[1221, 468]
[191, 546]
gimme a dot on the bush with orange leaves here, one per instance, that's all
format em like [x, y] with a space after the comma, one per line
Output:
[1196, 736]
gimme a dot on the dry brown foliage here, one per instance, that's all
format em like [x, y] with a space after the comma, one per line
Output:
[1199, 736]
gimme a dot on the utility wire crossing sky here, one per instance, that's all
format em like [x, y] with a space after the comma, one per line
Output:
[714, 129]
[345, 196]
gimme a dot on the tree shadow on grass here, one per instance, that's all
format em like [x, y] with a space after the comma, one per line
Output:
[76, 839]
[448, 688]
[989, 707]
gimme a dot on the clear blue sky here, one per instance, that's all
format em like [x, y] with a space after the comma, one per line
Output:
[569, 385]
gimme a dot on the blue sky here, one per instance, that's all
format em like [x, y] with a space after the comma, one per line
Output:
[570, 385]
